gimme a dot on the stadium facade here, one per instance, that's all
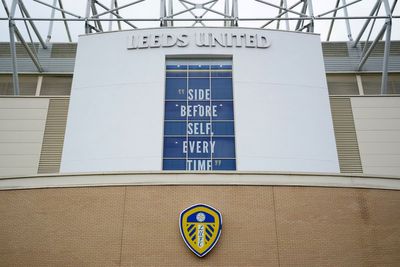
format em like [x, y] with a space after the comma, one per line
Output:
[296, 142]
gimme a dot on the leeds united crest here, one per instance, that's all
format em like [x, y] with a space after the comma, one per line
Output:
[200, 227]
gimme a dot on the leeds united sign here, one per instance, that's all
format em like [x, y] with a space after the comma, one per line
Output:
[142, 41]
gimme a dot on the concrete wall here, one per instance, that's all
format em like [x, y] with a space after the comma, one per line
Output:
[377, 123]
[22, 124]
[138, 226]
[282, 114]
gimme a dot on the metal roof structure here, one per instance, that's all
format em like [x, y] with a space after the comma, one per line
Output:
[300, 16]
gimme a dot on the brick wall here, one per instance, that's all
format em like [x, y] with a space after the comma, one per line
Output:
[138, 226]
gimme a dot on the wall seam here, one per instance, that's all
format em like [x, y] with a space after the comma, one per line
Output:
[123, 227]
[276, 226]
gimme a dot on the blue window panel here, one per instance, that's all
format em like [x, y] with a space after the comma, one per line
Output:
[221, 74]
[199, 71]
[199, 67]
[177, 67]
[199, 110]
[200, 74]
[176, 71]
[199, 83]
[174, 128]
[224, 110]
[174, 164]
[180, 74]
[199, 165]
[199, 128]
[199, 94]
[224, 165]
[173, 110]
[173, 147]
[224, 147]
[176, 88]
[208, 164]
[223, 128]
[221, 88]
[199, 147]
[221, 67]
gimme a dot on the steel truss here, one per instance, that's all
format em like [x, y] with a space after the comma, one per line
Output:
[298, 16]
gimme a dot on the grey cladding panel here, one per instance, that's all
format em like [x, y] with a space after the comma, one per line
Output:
[6, 85]
[56, 85]
[335, 50]
[342, 84]
[372, 83]
[60, 50]
[5, 51]
[53, 140]
[346, 137]
[379, 49]
[27, 84]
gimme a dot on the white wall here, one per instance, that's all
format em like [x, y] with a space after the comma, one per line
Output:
[282, 113]
[377, 122]
[22, 124]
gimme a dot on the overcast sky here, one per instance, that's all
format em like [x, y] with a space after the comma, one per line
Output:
[150, 9]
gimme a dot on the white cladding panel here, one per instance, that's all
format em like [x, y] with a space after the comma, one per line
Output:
[377, 122]
[282, 113]
[22, 125]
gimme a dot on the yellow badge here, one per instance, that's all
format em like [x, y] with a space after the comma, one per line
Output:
[200, 227]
